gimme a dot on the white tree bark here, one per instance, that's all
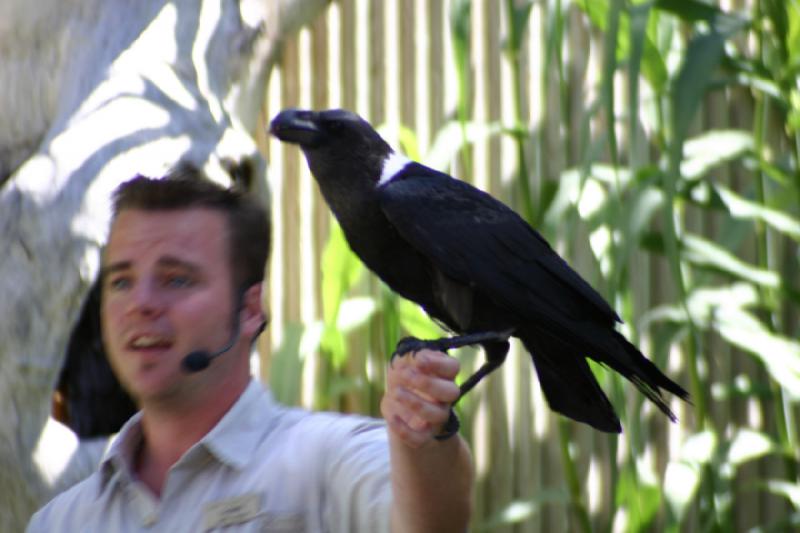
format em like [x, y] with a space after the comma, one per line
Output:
[91, 93]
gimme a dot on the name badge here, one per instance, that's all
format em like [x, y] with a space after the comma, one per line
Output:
[231, 511]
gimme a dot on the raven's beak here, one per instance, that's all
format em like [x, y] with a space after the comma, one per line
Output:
[296, 126]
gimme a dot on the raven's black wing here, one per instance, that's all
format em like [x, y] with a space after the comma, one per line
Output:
[477, 240]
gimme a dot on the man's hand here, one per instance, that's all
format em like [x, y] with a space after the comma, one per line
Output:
[420, 389]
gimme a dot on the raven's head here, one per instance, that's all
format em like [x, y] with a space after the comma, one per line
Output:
[336, 142]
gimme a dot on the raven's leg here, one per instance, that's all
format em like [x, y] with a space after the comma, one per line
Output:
[413, 345]
[495, 344]
[495, 355]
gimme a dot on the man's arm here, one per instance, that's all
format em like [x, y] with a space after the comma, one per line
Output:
[431, 479]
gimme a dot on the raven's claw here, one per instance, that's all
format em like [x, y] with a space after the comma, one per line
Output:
[414, 345]
[450, 427]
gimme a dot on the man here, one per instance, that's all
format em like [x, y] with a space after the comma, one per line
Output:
[182, 273]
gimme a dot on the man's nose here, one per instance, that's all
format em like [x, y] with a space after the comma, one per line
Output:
[146, 299]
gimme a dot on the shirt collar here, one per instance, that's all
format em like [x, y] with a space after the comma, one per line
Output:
[118, 461]
[232, 441]
[235, 437]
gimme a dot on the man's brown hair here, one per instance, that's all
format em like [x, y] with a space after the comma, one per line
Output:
[186, 187]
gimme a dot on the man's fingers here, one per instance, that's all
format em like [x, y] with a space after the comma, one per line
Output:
[413, 405]
[432, 388]
[420, 391]
[429, 362]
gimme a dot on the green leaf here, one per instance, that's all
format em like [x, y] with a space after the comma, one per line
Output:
[341, 269]
[777, 13]
[745, 209]
[286, 362]
[519, 14]
[653, 66]
[748, 445]
[703, 252]
[460, 24]
[409, 143]
[682, 477]
[415, 321]
[713, 148]
[355, 312]
[780, 355]
[641, 500]
[519, 511]
[793, 33]
[697, 11]
[791, 491]
[333, 344]
[452, 137]
[702, 57]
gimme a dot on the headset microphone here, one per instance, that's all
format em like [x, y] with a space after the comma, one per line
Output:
[200, 359]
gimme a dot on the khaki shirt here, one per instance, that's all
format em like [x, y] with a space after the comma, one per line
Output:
[263, 467]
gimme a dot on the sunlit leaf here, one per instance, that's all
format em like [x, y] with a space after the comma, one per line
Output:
[793, 34]
[780, 355]
[415, 321]
[743, 208]
[355, 312]
[699, 448]
[712, 148]
[682, 477]
[784, 488]
[520, 510]
[681, 481]
[703, 252]
[748, 445]
[409, 143]
[451, 138]
[333, 344]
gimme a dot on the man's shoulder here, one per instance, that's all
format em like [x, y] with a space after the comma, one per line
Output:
[328, 425]
[69, 507]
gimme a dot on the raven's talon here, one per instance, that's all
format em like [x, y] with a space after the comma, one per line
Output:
[450, 427]
[410, 345]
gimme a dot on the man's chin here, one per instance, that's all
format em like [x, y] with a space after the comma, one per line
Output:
[147, 387]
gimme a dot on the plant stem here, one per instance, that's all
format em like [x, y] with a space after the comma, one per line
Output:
[573, 484]
[520, 136]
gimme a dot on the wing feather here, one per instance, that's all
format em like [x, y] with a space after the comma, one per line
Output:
[477, 240]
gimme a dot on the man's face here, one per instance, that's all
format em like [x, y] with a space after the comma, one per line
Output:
[166, 292]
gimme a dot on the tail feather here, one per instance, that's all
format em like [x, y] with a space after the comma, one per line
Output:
[568, 383]
[645, 375]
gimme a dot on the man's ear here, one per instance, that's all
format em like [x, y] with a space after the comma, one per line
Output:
[253, 318]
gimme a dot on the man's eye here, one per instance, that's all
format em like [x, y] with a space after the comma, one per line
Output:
[179, 281]
[119, 283]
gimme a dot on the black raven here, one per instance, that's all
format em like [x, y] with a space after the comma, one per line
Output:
[472, 263]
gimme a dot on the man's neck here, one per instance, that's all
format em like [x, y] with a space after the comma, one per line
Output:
[169, 429]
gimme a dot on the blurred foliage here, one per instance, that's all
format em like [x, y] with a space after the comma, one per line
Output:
[649, 183]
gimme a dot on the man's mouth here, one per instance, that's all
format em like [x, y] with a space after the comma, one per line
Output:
[149, 342]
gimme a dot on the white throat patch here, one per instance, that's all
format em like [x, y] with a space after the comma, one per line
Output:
[392, 165]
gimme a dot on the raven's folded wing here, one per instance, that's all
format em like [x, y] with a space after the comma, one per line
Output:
[477, 240]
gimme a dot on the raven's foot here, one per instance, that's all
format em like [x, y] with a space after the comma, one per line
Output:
[413, 345]
[450, 427]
